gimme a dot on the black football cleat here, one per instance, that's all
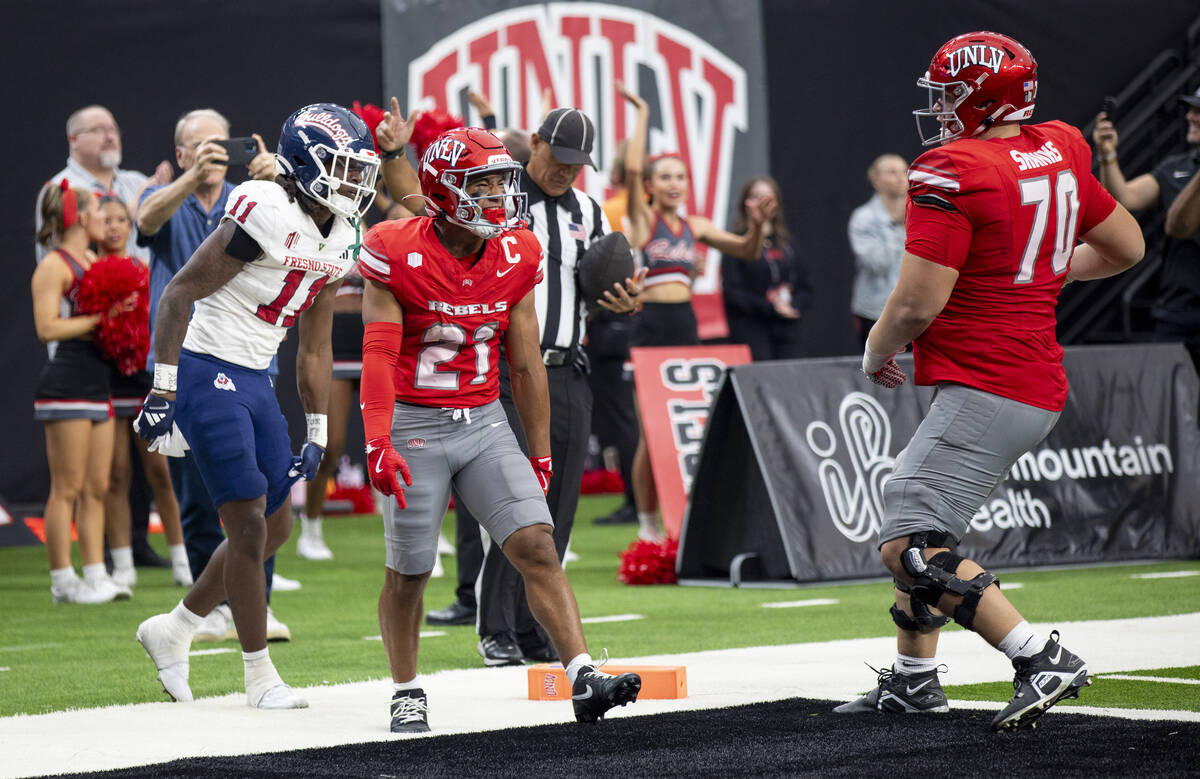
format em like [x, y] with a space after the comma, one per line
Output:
[500, 649]
[410, 711]
[898, 693]
[594, 693]
[1040, 682]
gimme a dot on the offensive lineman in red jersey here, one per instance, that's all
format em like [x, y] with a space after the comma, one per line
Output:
[992, 221]
[441, 292]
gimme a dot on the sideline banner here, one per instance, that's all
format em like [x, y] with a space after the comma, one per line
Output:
[698, 63]
[675, 390]
[796, 454]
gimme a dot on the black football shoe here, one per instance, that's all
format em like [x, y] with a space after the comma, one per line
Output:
[595, 692]
[898, 693]
[500, 649]
[410, 711]
[1040, 682]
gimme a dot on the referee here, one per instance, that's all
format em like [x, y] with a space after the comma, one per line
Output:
[566, 221]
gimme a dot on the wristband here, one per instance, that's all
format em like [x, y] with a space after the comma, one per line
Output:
[317, 429]
[872, 358]
[165, 377]
[393, 154]
[1107, 158]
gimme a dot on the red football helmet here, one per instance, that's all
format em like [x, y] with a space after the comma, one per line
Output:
[451, 160]
[974, 81]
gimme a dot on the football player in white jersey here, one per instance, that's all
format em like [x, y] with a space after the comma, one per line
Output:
[277, 258]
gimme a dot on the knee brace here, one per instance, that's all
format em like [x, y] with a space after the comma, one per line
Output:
[922, 621]
[935, 578]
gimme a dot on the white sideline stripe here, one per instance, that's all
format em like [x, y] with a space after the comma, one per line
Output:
[1165, 679]
[198, 652]
[612, 618]
[1012, 585]
[791, 604]
[478, 700]
[423, 634]
[1164, 575]
[4, 668]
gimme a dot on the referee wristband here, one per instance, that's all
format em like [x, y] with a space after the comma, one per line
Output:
[318, 432]
[165, 377]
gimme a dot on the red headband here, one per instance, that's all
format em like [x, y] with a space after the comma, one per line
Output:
[70, 206]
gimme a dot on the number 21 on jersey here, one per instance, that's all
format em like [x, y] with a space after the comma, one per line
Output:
[1040, 192]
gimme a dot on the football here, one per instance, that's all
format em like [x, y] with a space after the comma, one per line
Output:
[606, 262]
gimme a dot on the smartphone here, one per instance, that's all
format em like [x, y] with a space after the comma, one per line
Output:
[1109, 106]
[240, 150]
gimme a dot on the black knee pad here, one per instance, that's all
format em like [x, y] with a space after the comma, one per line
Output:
[935, 578]
[922, 621]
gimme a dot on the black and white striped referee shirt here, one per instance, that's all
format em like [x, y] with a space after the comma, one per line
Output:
[566, 226]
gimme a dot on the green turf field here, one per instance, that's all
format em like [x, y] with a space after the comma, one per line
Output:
[56, 657]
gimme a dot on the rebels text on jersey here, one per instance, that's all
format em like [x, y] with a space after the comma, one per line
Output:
[455, 310]
[1004, 212]
[244, 321]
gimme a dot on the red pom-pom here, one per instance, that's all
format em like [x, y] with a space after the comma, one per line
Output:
[429, 125]
[372, 115]
[649, 562]
[118, 288]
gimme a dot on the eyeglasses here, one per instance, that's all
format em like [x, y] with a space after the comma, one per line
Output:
[100, 129]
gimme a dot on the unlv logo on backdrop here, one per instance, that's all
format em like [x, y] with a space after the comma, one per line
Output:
[579, 51]
[855, 500]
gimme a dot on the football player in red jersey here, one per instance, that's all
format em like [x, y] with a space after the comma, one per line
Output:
[442, 293]
[993, 217]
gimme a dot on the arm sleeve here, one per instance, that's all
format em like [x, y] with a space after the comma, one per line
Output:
[377, 390]
[242, 247]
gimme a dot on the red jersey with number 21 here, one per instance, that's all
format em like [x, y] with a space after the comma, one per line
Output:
[455, 311]
[1004, 212]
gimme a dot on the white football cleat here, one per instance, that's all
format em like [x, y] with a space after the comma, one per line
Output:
[284, 584]
[311, 545]
[168, 648]
[279, 696]
[276, 630]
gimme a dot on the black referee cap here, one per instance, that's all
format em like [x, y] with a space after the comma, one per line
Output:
[570, 134]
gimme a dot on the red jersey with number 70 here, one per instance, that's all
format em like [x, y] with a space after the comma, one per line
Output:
[1006, 213]
[455, 310]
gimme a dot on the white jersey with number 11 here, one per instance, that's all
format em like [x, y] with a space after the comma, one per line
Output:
[244, 321]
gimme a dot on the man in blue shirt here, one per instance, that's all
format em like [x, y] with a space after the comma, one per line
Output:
[173, 220]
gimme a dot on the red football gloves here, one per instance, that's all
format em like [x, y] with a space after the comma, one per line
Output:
[383, 465]
[543, 469]
[882, 369]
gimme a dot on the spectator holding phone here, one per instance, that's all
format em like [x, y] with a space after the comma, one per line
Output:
[1175, 185]
[173, 220]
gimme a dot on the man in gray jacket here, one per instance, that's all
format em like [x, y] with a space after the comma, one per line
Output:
[877, 240]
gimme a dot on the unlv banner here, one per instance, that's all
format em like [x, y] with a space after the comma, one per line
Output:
[699, 63]
[675, 390]
[796, 454]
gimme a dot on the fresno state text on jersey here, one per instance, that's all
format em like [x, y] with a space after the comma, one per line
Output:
[244, 321]
[1006, 213]
[455, 310]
